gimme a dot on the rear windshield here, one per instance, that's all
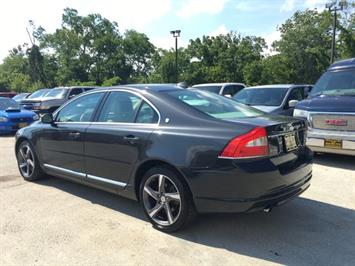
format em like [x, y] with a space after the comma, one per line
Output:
[261, 96]
[6, 104]
[335, 83]
[38, 94]
[214, 89]
[214, 105]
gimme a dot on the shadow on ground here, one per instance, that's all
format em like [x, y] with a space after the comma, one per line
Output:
[301, 232]
[335, 160]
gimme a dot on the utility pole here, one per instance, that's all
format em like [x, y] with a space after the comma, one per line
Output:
[176, 35]
[333, 7]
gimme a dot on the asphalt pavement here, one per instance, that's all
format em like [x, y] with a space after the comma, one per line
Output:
[56, 222]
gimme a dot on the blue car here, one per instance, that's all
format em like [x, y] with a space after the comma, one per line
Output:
[12, 117]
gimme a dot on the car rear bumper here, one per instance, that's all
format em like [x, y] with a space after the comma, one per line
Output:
[316, 140]
[253, 185]
[254, 204]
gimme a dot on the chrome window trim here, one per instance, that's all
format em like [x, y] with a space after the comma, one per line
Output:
[106, 180]
[82, 175]
[64, 170]
[105, 91]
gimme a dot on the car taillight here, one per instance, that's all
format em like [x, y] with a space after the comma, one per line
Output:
[251, 144]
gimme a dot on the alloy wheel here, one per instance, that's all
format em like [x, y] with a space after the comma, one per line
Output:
[161, 199]
[26, 161]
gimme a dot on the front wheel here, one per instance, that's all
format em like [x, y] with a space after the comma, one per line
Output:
[166, 200]
[27, 162]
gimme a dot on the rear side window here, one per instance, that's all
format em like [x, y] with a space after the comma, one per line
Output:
[120, 107]
[214, 105]
[147, 114]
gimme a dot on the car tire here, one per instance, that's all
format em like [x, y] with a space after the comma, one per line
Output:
[166, 199]
[28, 163]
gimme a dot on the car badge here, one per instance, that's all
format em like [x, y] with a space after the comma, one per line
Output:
[336, 122]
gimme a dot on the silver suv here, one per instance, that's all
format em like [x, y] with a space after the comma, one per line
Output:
[225, 89]
[53, 99]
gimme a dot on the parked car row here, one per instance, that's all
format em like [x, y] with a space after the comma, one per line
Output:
[18, 112]
[181, 151]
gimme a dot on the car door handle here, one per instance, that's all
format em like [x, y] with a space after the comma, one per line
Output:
[74, 135]
[131, 138]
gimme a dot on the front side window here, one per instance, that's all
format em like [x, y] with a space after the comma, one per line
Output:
[75, 91]
[120, 107]
[296, 94]
[232, 89]
[214, 105]
[335, 83]
[261, 96]
[81, 109]
[56, 93]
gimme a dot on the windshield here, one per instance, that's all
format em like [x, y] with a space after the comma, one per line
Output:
[214, 105]
[261, 96]
[56, 93]
[38, 94]
[6, 104]
[214, 89]
[19, 96]
[335, 83]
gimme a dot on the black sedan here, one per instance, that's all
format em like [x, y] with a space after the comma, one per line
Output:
[178, 152]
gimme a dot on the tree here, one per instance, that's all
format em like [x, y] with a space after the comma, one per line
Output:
[305, 45]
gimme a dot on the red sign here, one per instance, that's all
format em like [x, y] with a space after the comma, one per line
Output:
[336, 122]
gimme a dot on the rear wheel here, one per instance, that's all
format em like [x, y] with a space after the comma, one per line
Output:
[166, 200]
[27, 162]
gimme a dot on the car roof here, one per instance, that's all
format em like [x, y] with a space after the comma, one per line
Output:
[150, 87]
[278, 86]
[347, 63]
[217, 84]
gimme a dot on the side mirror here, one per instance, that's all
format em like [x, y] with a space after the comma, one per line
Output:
[71, 96]
[292, 103]
[47, 118]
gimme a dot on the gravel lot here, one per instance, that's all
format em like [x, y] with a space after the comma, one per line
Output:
[56, 222]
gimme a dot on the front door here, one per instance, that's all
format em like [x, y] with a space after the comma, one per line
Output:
[62, 143]
[118, 136]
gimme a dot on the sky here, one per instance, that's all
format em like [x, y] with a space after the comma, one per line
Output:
[155, 18]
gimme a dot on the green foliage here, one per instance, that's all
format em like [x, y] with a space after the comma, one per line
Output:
[111, 82]
[89, 50]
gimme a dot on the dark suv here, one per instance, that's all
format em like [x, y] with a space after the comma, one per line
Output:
[330, 110]
[53, 99]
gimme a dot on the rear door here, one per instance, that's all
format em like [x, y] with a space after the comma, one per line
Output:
[62, 143]
[118, 137]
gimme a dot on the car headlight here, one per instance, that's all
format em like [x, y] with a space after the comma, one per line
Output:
[3, 119]
[300, 113]
[35, 117]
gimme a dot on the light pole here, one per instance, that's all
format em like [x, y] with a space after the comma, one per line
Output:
[332, 7]
[176, 35]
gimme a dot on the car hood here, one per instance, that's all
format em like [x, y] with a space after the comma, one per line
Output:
[264, 108]
[17, 114]
[326, 103]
